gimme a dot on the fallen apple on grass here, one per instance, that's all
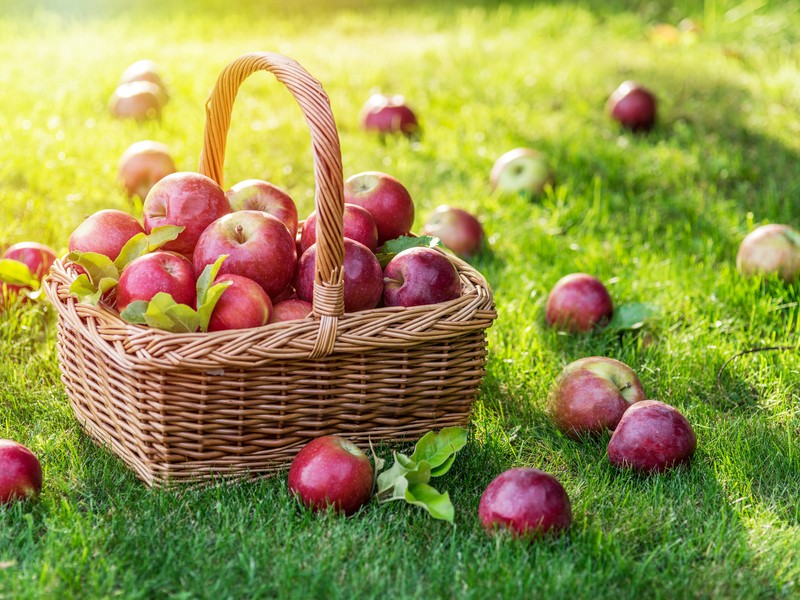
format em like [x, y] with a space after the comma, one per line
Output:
[20, 472]
[143, 164]
[420, 276]
[633, 106]
[358, 224]
[35, 260]
[578, 303]
[773, 248]
[143, 70]
[458, 230]
[521, 171]
[255, 194]
[388, 114]
[386, 199]
[104, 232]
[139, 100]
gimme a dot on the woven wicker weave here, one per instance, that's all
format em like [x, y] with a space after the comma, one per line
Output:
[188, 407]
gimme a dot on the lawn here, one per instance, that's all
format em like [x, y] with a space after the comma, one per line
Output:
[657, 217]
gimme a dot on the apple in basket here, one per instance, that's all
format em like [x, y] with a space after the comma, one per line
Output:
[357, 222]
[458, 230]
[143, 164]
[388, 114]
[387, 200]
[289, 310]
[255, 194]
[578, 303]
[159, 271]
[20, 472]
[242, 305]
[419, 276]
[331, 471]
[104, 232]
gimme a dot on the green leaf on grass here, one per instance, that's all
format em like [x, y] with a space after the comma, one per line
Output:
[438, 505]
[393, 247]
[439, 449]
[633, 315]
[14, 272]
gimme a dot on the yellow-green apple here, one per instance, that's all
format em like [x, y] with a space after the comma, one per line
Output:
[188, 200]
[521, 171]
[458, 230]
[357, 222]
[105, 232]
[331, 471]
[387, 200]
[20, 472]
[591, 395]
[388, 114]
[158, 271]
[243, 304]
[578, 302]
[140, 100]
[651, 437]
[258, 245]
[143, 164]
[525, 502]
[363, 277]
[773, 248]
[255, 194]
[37, 257]
[419, 276]
[632, 106]
[289, 310]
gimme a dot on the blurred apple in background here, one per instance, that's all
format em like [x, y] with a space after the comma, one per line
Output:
[142, 165]
[459, 230]
[578, 303]
[358, 225]
[104, 232]
[145, 70]
[140, 100]
[772, 248]
[243, 304]
[20, 472]
[521, 171]
[255, 194]
[289, 310]
[633, 106]
[388, 114]
[418, 276]
[386, 199]
[159, 271]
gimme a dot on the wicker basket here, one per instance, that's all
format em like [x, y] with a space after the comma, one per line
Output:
[190, 407]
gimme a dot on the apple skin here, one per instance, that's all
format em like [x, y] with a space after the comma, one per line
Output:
[244, 304]
[363, 277]
[188, 200]
[258, 246]
[255, 194]
[145, 70]
[105, 232]
[332, 471]
[773, 248]
[143, 164]
[578, 303]
[158, 271]
[289, 310]
[521, 171]
[20, 472]
[458, 230]
[526, 502]
[358, 225]
[591, 395]
[37, 257]
[140, 100]
[388, 114]
[633, 106]
[651, 437]
[387, 200]
[418, 276]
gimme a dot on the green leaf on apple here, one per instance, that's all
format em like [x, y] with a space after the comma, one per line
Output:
[207, 294]
[101, 276]
[633, 315]
[14, 272]
[142, 243]
[134, 312]
[86, 291]
[393, 247]
[164, 313]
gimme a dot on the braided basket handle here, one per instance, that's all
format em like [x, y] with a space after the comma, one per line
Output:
[329, 195]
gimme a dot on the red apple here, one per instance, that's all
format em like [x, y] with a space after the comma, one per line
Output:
[591, 395]
[158, 271]
[138, 100]
[104, 232]
[142, 165]
[20, 472]
[258, 246]
[363, 277]
[772, 248]
[526, 502]
[633, 106]
[243, 304]
[145, 70]
[651, 437]
[331, 471]
[387, 200]
[289, 310]
[358, 225]
[521, 171]
[577, 303]
[188, 200]
[254, 194]
[458, 230]
[388, 114]
[419, 276]
[37, 257]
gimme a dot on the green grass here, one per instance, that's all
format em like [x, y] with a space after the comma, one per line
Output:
[657, 217]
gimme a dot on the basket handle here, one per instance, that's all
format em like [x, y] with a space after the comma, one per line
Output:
[329, 194]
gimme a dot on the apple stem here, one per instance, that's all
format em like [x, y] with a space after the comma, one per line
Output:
[388, 280]
[239, 234]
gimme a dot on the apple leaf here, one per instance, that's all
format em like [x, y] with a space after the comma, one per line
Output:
[207, 294]
[439, 449]
[96, 265]
[134, 312]
[393, 247]
[164, 313]
[633, 315]
[14, 272]
[438, 505]
[141, 243]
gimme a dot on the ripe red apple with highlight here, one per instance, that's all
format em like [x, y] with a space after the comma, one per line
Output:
[358, 225]
[387, 200]
[591, 395]
[578, 303]
[158, 271]
[363, 277]
[633, 106]
[458, 230]
[20, 472]
[332, 471]
[105, 232]
[526, 502]
[773, 248]
[652, 437]
[143, 164]
[388, 114]
[140, 100]
[243, 304]
[185, 199]
[521, 171]
[258, 246]
[289, 310]
[255, 194]
[419, 276]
